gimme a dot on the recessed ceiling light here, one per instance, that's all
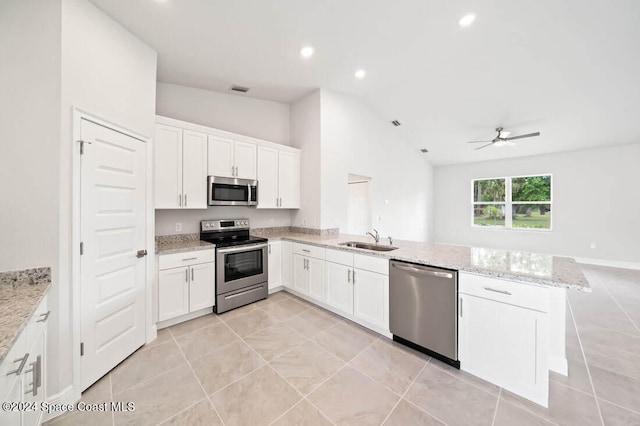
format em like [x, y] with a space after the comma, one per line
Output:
[306, 52]
[467, 20]
[360, 74]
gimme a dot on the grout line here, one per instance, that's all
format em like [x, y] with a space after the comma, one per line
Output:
[620, 406]
[405, 391]
[199, 384]
[495, 412]
[528, 410]
[469, 382]
[586, 363]
[620, 306]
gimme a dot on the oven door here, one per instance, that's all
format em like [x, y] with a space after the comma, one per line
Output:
[240, 266]
[232, 192]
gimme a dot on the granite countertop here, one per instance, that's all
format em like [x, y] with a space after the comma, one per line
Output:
[182, 243]
[20, 293]
[514, 265]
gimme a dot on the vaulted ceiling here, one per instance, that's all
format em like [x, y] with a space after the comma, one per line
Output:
[567, 68]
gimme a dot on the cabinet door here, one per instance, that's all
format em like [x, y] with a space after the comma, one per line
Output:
[289, 179]
[371, 297]
[505, 345]
[173, 293]
[340, 287]
[201, 286]
[33, 380]
[316, 278]
[267, 178]
[12, 393]
[287, 263]
[245, 160]
[168, 167]
[275, 265]
[300, 275]
[220, 157]
[194, 170]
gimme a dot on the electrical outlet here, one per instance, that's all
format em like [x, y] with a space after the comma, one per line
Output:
[178, 227]
[593, 245]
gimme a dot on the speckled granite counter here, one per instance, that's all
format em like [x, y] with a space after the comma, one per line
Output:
[509, 264]
[20, 293]
[182, 243]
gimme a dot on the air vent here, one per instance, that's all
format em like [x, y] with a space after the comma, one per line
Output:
[395, 123]
[239, 89]
[424, 150]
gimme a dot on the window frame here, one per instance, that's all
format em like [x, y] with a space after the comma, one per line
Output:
[508, 202]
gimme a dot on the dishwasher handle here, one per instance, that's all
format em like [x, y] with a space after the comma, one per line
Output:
[423, 271]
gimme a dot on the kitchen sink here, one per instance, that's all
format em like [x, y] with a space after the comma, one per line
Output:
[367, 246]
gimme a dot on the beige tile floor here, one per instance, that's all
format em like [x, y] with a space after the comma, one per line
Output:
[284, 361]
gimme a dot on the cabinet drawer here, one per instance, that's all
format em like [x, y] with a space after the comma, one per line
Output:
[340, 256]
[309, 251]
[177, 260]
[514, 293]
[371, 263]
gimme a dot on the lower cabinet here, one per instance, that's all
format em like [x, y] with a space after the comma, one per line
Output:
[187, 288]
[286, 252]
[23, 371]
[339, 287]
[275, 264]
[308, 271]
[371, 297]
[501, 338]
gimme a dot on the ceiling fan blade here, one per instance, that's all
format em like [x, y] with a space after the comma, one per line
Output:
[483, 146]
[479, 141]
[528, 135]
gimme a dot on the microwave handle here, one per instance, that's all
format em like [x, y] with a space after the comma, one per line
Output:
[249, 192]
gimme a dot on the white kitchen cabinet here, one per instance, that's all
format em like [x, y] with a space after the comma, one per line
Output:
[308, 267]
[180, 168]
[371, 297]
[231, 158]
[275, 264]
[23, 371]
[340, 287]
[503, 340]
[279, 178]
[188, 287]
[287, 264]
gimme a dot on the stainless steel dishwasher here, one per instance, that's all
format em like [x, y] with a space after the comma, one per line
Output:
[423, 309]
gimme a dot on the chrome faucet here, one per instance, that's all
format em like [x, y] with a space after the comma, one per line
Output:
[375, 237]
[390, 240]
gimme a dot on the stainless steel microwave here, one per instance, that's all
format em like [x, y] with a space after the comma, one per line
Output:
[224, 191]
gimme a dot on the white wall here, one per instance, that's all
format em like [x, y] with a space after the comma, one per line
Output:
[107, 72]
[595, 199]
[190, 219]
[234, 113]
[358, 141]
[30, 123]
[305, 132]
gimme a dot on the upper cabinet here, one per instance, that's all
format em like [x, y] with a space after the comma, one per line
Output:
[231, 158]
[278, 178]
[180, 168]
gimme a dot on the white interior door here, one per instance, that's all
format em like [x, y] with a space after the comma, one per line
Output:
[112, 222]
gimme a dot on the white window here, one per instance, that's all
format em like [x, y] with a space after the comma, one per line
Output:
[520, 202]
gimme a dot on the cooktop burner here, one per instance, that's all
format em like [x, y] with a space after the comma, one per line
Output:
[228, 232]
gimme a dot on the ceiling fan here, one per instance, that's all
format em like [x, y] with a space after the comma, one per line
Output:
[503, 139]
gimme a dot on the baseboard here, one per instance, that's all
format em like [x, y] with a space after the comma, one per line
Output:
[558, 365]
[276, 289]
[610, 263]
[182, 318]
[64, 397]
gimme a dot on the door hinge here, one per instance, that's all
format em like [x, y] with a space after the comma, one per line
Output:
[81, 248]
[82, 145]
[82, 349]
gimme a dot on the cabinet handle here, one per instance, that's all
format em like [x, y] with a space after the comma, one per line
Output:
[306, 251]
[185, 200]
[236, 171]
[44, 316]
[354, 277]
[233, 170]
[179, 200]
[269, 248]
[186, 275]
[189, 258]
[498, 291]
[22, 361]
[460, 307]
[191, 274]
[349, 275]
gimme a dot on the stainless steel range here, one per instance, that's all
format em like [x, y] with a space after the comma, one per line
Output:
[241, 262]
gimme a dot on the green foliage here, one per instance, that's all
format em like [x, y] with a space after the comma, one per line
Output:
[492, 212]
[490, 190]
[531, 188]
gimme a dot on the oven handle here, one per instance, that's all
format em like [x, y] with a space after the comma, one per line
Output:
[242, 248]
